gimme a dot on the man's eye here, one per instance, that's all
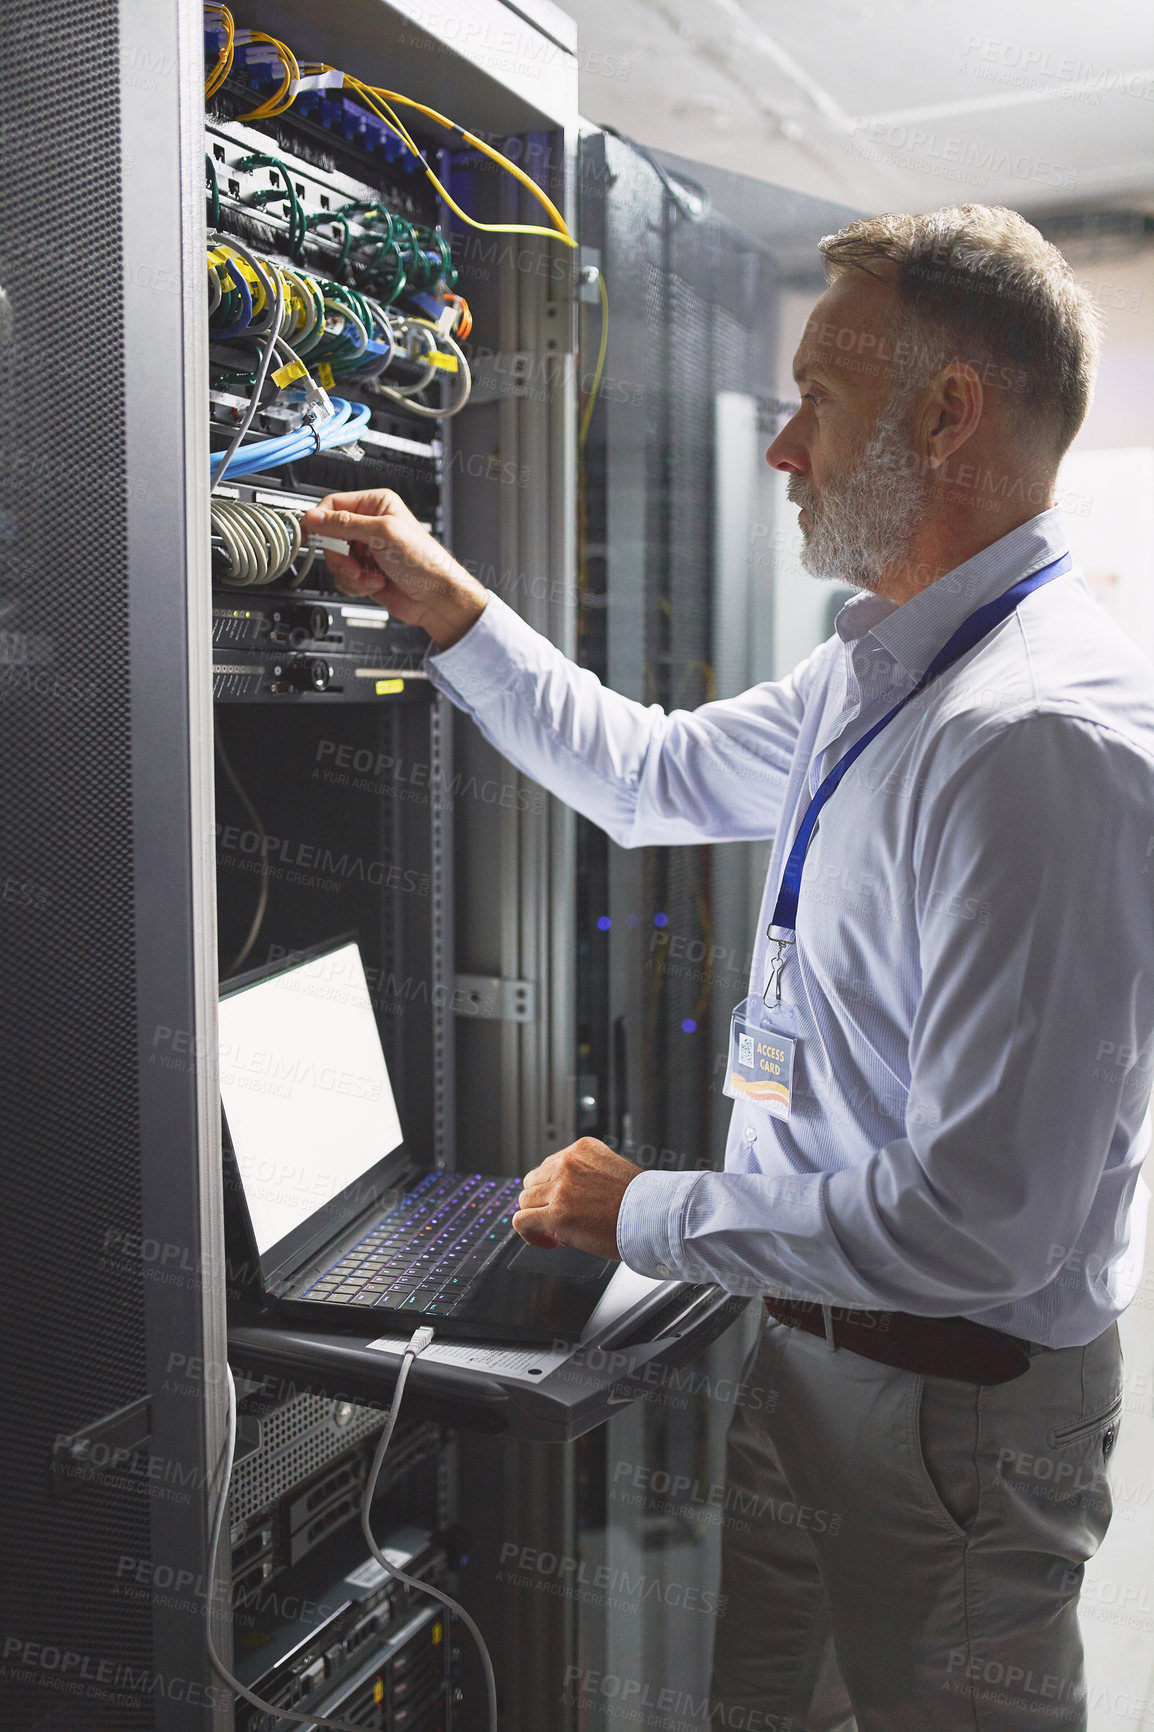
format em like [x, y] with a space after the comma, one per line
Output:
[810, 396]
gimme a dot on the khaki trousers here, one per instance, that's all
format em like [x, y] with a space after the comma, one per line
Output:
[904, 1553]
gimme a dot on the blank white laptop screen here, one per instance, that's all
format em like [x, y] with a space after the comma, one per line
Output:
[305, 1088]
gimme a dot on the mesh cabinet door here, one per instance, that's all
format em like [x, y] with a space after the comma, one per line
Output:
[105, 1030]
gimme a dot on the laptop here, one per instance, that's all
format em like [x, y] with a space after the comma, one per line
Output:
[338, 1219]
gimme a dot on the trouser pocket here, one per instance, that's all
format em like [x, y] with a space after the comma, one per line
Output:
[1105, 1422]
[948, 1415]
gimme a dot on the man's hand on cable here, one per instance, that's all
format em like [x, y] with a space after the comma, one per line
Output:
[574, 1197]
[394, 561]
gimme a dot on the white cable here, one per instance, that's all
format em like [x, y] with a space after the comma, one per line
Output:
[261, 541]
[430, 373]
[239, 538]
[402, 394]
[248, 528]
[239, 541]
[308, 319]
[417, 1344]
[277, 541]
[302, 571]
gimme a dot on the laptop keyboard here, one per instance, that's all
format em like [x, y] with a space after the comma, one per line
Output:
[425, 1254]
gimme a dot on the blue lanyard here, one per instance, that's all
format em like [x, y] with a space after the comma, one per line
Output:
[971, 631]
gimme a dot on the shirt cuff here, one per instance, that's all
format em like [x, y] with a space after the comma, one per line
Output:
[651, 1224]
[489, 658]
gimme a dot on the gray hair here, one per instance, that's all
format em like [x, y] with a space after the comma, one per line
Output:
[982, 285]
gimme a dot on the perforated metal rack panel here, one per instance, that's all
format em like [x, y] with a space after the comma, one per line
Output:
[692, 310]
[84, 1313]
[74, 1324]
[297, 1439]
[691, 316]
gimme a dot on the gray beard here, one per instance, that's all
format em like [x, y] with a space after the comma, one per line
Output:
[863, 522]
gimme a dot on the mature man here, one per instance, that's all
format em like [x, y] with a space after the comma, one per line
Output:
[934, 1186]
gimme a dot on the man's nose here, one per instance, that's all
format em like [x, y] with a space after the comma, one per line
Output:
[787, 452]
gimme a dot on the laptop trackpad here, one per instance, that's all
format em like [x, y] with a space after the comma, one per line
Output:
[565, 1261]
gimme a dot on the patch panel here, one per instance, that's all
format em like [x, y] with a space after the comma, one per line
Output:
[327, 125]
[306, 573]
[407, 450]
[319, 215]
[292, 639]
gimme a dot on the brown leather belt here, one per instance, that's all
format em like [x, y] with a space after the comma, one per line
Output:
[935, 1346]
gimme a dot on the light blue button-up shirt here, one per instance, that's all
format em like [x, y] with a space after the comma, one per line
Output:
[973, 977]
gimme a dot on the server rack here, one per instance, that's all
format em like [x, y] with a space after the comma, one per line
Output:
[462, 901]
[108, 668]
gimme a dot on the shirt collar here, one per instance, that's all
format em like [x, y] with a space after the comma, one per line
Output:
[914, 631]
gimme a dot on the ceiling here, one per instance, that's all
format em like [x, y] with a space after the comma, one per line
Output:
[1045, 105]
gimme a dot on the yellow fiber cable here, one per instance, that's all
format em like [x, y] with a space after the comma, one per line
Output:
[595, 386]
[379, 101]
[224, 59]
[284, 96]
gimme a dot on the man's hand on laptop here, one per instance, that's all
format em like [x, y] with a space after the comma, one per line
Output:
[394, 561]
[574, 1197]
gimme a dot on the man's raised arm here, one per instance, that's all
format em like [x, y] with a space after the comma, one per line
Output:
[717, 773]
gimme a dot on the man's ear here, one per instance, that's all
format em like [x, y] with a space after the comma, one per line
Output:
[953, 412]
